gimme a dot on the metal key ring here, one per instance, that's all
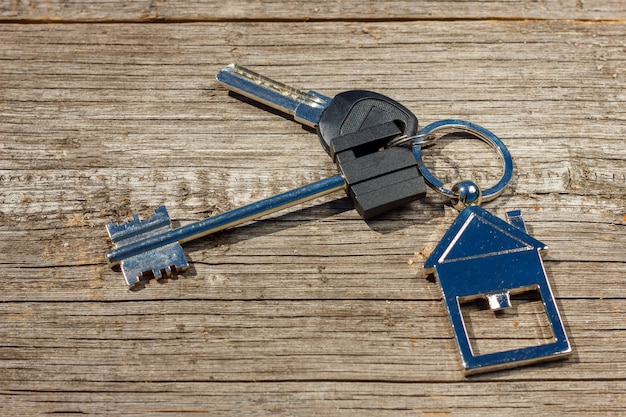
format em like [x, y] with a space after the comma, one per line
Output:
[415, 140]
[480, 133]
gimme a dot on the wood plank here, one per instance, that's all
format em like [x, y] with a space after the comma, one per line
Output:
[275, 340]
[180, 10]
[313, 311]
[287, 278]
[325, 398]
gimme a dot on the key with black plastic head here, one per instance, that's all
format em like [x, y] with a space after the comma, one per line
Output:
[346, 113]
[378, 179]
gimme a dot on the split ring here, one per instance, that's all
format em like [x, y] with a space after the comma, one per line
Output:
[415, 140]
[478, 132]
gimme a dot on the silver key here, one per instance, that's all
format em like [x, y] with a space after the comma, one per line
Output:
[151, 248]
[305, 107]
[347, 112]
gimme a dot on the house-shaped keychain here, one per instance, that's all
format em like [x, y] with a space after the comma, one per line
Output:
[483, 256]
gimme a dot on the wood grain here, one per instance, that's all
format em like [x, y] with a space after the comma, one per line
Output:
[298, 10]
[311, 311]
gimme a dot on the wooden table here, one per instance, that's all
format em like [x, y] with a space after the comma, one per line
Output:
[111, 108]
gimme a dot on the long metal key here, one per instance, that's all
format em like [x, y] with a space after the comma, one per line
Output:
[347, 112]
[151, 248]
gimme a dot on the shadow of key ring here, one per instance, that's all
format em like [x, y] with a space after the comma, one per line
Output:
[452, 125]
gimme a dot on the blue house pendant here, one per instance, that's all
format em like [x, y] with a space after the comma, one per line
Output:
[483, 256]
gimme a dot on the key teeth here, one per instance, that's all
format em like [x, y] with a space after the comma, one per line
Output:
[158, 274]
[163, 273]
[129, 228]
[163, 262]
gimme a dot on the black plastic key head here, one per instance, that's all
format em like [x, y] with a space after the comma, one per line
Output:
[378, 179]
[355, 110]
[355, 129]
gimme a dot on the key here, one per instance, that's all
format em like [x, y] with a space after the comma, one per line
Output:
[347, 112]
[378, 179]
[152, 249]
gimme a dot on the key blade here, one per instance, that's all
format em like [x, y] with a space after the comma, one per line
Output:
[159, 263]
[140, 265]
[127, 232]
[306, 107]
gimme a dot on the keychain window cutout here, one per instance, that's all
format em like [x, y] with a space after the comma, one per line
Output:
[524, 323]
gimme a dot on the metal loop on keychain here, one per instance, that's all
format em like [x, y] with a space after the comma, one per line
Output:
[476, 131]
[415, 140]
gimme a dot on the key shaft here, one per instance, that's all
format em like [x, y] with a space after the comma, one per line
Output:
[228, 219]
[305, 107]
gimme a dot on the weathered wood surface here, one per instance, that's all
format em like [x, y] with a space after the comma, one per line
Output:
[312, 311]
[239, 10]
